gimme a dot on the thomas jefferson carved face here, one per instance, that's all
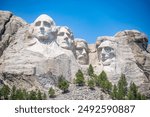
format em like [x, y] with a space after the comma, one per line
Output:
[43, 27]
[65, 38]
[106, 53]
[82, 52]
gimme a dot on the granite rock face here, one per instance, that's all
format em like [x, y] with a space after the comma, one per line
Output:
[9, 25]
[125, 52]
[33, 56]
[148, 48]
[137, 41]
[36, 54]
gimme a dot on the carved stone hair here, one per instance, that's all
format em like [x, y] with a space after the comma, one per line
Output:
[71, 33]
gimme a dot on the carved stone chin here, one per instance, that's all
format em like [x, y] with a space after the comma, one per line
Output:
[82, 59]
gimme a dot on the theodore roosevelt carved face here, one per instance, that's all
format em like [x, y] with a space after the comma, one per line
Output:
[81, 51]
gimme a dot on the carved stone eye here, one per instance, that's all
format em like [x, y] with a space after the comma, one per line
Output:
[38, 23]
[107, 49]
[78, 52]
[99, 49]
[61, 34]
[68, 35]
[47, 24]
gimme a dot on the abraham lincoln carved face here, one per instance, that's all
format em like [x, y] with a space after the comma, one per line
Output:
[106, 52]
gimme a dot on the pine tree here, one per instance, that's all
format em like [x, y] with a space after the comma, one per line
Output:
[5, 92]
[108, 86]
[39, 95]
[101, 79]
[130, 95]
[90, 70]
[32, 95]
[133, 93]
[44, 96]
[103, 82]
[139, 96]
[51, 92]
[95, 77]
[13, 93]
[19, 95]
[63, 84]
[143, 97]
[122, 87]
[114, 92]
[91, 84]
[79, 78]
[25, 94]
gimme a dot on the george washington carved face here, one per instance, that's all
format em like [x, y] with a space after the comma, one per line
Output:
[43, 27]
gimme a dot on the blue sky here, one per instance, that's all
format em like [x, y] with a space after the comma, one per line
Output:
[87, 19]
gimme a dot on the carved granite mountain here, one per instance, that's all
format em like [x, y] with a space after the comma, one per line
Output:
[33, 56]
[34, 59]
[125, 53]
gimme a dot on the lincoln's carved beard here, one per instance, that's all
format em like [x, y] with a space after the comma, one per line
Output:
[43, 27]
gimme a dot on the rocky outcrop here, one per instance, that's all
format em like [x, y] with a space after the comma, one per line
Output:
[148, 48]
[137, 41]
[9, 25]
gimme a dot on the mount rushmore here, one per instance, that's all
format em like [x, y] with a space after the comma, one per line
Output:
[33, 55]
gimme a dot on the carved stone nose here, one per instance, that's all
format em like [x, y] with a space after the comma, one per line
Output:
[41, 28]
[103, 51]
[83, 52]
[103, 55]
[65, 36]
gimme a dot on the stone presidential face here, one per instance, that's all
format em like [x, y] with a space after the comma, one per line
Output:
[43, 27]
[65, 38]
[81, 51]
[106, 52]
